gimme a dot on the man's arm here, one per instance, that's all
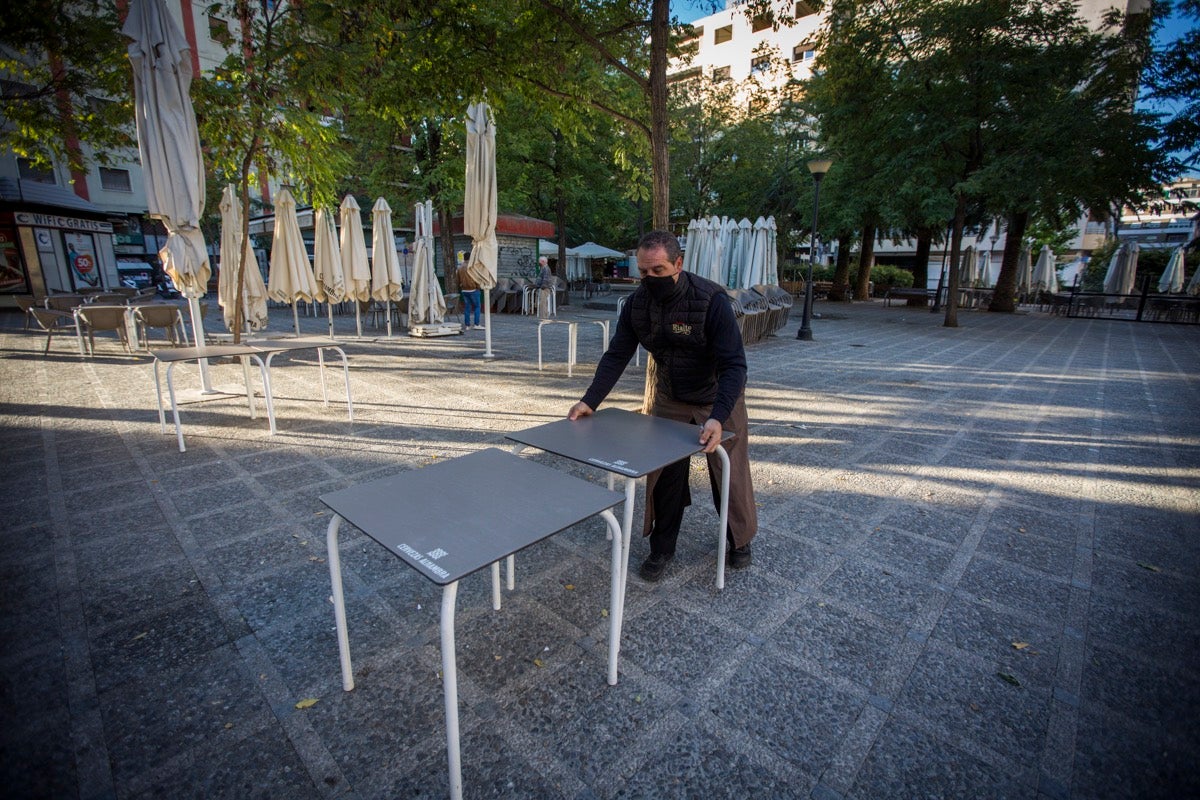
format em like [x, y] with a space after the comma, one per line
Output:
[612, 364]
[729, 355]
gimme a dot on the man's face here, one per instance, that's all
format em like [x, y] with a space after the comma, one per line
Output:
[653, 262]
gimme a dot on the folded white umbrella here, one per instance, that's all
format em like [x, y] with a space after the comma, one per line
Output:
[327, 264]
[1024, 270]
[426, 304]
[291, 278]
[771, 278]
[169, 148]
[1045, 278]
[233, 248]
[1172, 277]
[755, 270]
[1122, 270]
[356, 268]
[689, 255]
[385, 263]
[480, 209]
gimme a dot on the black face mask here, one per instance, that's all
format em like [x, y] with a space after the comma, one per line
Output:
[659, 288]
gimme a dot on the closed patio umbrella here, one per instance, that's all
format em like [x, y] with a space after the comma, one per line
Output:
[969, 271]
[327, 264]
[233, 247]
[1044, 276]
[291, 279]
[479, 208]
[1172, 277]
[426, 304]
[689, 255]
[356, 269]
[1122, 270]
[771, 277]
[756, 266]
[385, 263]
[1024, 270]
[169, 147]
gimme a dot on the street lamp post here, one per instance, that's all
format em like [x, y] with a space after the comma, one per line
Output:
[818, 167]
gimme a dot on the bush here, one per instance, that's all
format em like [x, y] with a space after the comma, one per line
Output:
[885, 275]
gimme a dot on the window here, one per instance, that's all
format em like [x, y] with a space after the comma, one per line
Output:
[759, 63]
[29, 172]
[218, 30]
[761, 22]
[722, 35]
[803, 52]
[720, 74]
[803, 10]
[115, 180]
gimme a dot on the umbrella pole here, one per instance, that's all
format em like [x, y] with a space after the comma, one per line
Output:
[198, 338]
[296, 317]
[329, 308]
[358, 318]
[487, 324]
[388, 311]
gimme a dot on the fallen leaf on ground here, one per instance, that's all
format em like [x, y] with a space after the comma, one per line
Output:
[604, 612]
[307, 702]
[1020, 645]
[1004, 676]
[141, 635]
[537, 662]
[570, 587]
[1150, 567]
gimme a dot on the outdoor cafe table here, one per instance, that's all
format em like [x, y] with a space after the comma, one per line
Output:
[632, 445]
[445, 543]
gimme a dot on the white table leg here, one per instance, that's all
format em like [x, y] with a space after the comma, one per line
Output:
[339, 601]
[175, 407]
[572, 345]
[450, 690]
[249, 388]
[616, 602]
[511, 561]
[723, 522]
[496, 585]
[346, 375]
[539, 346]
[626, 536]
[265, 368]
[321, 366]
[162, 417]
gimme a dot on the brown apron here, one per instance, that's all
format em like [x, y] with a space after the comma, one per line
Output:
[743, 516]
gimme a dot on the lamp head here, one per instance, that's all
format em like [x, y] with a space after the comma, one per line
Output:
[819, 166]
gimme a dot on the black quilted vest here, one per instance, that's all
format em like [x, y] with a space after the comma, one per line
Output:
[673, 332]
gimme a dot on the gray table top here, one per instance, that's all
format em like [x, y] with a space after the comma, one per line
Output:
[617, 440]
[454, 517]
[207, 351]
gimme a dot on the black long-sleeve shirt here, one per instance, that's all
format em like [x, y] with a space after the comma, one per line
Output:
[724, 344]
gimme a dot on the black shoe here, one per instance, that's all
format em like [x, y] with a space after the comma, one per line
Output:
[739, 557]
[654, 566]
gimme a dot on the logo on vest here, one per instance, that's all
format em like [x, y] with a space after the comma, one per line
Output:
[681, 329]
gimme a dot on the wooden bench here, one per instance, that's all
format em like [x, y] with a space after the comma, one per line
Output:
[905, 293]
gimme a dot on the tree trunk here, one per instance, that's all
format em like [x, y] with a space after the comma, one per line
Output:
[841, 270]
[866, 258]
[446, 240]
[1004, 297]
[960, 215]
[921, 268]
[660, 31]
[560, 209]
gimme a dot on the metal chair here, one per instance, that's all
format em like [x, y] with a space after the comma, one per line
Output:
[160, 315]
[102, 318]
[52, 321]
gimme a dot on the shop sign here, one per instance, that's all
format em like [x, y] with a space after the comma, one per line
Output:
[57, 221]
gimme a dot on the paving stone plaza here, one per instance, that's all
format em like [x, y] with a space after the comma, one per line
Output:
[976, 576]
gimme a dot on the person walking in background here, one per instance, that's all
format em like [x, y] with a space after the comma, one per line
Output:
[688, 325]
[545, 286]
[470, 292]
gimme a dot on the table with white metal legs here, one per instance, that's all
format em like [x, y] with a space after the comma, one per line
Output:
[272, 347]
[572, 339]
[175, 355]
[632, 445]
[447, 543]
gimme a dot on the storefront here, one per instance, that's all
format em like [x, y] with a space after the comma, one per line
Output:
[52, 241]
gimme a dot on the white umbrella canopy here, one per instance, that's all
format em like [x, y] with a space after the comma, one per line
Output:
[689, 255]
[968, 274]
[327, 264]
[168, 140]
[291, 278]
[755, 269]
[739, 262]
[233, 246]
[1193, 287]
[1172, 277]
[426, 304]
[714, 264]
[356, 269]
[1122, 270]
[479, 208]
[385, 263]
[1044, 276]
[1024, 270]
[771, 276]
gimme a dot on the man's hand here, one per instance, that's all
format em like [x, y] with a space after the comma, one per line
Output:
[580, 409]
[710, 435]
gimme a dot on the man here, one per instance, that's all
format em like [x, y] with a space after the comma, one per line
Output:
[688, 325]
[545, 286]
[470, 293]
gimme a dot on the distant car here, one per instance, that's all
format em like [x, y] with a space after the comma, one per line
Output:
[137, 278]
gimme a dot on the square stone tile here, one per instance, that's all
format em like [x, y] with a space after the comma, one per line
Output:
[801, 720]
[915, 556]
[1114, 759]
[906, 761]
[491, 768]
[1144, 583]
[39, 755]
[126, 552]
[791, 556]
[967, 696]
[167, 714]
[241, 560]
[109, 599]
[271, 598]
[674, 645]
[880, 591]
[1151, 693]
[928, 521]
[1053, 556]
[1021, 590]
[990, 632]
[844, 644]
[498, 649]
[1163, 635]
